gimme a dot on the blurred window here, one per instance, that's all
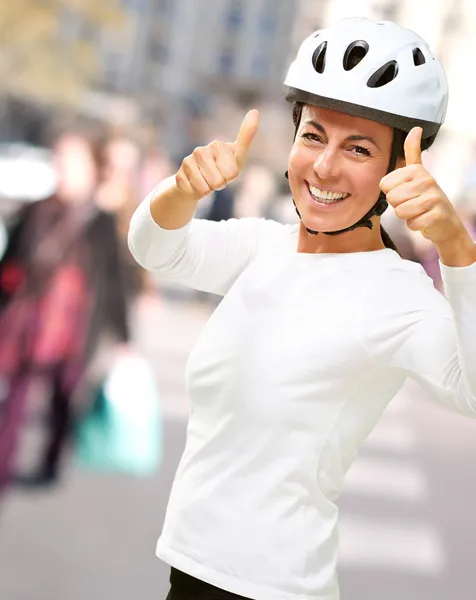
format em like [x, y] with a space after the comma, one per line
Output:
[158, 51]
[113, 70]
[235, 16]
[261, 66]
[268, 24]
[227, 62]
[89, 31]
[135, 5]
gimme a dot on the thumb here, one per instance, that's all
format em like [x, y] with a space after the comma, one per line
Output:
[247, 132]
[412, 147]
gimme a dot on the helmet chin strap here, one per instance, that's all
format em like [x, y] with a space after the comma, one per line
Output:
[377, 209]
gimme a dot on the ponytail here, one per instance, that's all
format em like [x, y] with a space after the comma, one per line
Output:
[387, 240]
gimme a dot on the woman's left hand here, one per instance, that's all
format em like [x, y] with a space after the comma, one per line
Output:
[416, 197]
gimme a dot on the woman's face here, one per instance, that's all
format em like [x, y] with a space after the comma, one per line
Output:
[335, 167]
[76, 169]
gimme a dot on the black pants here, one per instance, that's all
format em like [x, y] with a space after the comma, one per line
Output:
[58, 427]
[186, 587]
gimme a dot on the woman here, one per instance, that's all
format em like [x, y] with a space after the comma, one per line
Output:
[317, 332]
[118, 196]
[61, 294]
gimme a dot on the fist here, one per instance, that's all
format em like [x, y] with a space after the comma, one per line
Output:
[213, 167]
[418, 199]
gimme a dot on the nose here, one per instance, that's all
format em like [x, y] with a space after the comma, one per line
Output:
[327, 164]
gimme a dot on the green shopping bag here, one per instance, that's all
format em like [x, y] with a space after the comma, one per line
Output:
[123, 430]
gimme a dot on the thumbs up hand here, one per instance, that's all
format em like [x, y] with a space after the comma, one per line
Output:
[213, 167]
[416, 196]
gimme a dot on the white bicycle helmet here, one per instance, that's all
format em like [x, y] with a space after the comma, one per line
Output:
[374, 70]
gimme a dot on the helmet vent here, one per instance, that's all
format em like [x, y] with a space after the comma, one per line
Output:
[354, 54]
[418, 57]
[384, 75]
[319, 57]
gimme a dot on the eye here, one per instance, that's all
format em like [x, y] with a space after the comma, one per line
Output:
[311, 136]
[360, 151]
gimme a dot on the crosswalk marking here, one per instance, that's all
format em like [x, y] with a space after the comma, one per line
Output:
[386, 478]
[386, 544]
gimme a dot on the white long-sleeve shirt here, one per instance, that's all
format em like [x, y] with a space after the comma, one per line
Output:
[286, 381]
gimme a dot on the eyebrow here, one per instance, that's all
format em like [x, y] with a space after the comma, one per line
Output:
[350, 138]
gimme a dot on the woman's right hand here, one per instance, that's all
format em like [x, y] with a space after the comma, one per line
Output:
[213, 167]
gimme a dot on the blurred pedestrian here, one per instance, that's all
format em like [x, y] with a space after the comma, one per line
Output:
[321, 322]
[118, 195]
[156, 166]
[256, 193]
[61, 295]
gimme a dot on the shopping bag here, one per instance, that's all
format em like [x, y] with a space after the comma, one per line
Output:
[123, 430]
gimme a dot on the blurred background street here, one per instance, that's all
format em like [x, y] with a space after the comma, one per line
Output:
[99, 102]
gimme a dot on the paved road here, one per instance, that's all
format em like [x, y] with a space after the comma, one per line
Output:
[407, 515]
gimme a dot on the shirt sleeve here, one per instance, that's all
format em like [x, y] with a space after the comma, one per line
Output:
[205, 255]
[406, 324]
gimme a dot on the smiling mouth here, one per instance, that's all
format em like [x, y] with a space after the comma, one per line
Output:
[325, 196]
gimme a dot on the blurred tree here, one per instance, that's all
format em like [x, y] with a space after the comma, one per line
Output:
[50, 49]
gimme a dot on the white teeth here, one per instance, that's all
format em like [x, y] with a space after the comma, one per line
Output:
[325, 196]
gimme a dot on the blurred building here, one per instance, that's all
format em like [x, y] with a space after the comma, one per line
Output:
[208, 51]
[372, 9]
[311, 16]
[178, 57]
